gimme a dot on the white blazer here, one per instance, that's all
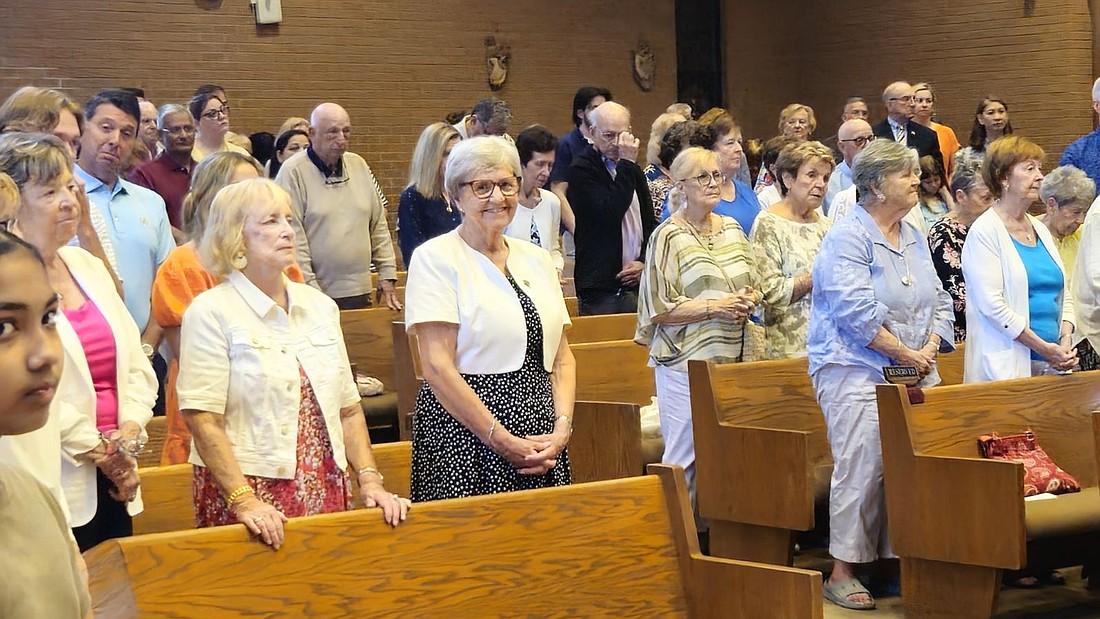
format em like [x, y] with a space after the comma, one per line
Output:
[137, 385]
[996, 300]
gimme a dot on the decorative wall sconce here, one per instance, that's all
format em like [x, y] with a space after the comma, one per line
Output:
[497, 55]
[644, 66]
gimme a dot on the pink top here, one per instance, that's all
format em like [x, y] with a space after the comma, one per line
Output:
[98, 342]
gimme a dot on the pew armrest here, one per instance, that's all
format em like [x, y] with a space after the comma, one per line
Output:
[761, 476]
[960, 510]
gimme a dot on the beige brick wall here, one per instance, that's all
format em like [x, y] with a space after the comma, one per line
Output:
[396, 65]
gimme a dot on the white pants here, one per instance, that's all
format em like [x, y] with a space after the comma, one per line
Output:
[857, 503]
[674, 409]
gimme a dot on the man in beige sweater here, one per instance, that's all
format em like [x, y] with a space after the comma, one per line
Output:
[339, 215]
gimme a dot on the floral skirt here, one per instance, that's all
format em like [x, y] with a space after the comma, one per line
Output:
[319, 485]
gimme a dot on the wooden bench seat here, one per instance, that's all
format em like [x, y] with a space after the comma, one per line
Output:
[596, 426]
[624, 548]
[957, 520]
[762, 457]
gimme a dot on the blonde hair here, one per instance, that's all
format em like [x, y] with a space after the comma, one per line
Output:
[37, 109]
[294, 122]
[793, 109]
[424, 172]
[223, 240]
[208, 178]
[9, 198]
[660, 126]
[686, 165]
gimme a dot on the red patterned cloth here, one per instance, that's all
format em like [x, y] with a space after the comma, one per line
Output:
[1041, 474]
[319, 485]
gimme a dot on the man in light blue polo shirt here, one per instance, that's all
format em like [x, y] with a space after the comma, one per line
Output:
[136, 219]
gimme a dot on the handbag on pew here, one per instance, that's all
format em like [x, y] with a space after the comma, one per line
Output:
[1041, 474]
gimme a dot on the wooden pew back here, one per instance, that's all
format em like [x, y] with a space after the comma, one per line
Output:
[169, 505]
[1057, 408]
[367, 335]
[628, 548]
[602, 328]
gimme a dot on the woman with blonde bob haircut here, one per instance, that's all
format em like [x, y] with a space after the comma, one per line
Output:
[797, 121]
[697, 293]
[265, 384]
[182, 277]
[423, 211]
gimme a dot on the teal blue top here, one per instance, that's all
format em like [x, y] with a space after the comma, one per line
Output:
[1044, 286]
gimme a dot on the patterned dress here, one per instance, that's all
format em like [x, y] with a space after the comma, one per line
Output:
[785, 249]
[945, 240]
[319, 485]
[659, 186]
[449, 461]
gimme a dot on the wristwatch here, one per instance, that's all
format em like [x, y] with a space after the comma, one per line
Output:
[148, 350]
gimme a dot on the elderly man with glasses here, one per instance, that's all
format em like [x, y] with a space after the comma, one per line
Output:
[899, 126]
[169, 175]
[339, 215]
[852, 136]
[606, 190]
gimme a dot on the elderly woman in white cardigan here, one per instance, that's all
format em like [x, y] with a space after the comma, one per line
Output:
[1019, 313]
[107, 389]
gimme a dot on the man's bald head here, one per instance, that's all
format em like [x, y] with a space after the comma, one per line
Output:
[607, 122]
[608, 112]
[898, 98]
[329, 132]
[852, 137]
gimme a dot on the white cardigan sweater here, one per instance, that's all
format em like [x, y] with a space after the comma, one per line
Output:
[996, 300]
[137, 385]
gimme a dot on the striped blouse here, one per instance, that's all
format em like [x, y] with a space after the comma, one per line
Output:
[681, 266]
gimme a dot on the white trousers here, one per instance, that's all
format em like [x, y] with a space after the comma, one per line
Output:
[674, 409]
[857, 503]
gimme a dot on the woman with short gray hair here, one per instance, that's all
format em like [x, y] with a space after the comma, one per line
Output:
[492, 416]
[1067, 193]
[947, 236]
[876, 302]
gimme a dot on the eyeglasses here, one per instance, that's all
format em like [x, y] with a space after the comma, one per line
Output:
[706, 178]
[611, 136]
[216, 112]
[861, 140]
[483, 189]
[905, 99]
[185, 130]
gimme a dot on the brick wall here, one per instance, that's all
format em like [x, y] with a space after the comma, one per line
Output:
[817, 54]
[396, 65]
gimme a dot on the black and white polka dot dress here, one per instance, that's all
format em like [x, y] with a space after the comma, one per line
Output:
[448, 461]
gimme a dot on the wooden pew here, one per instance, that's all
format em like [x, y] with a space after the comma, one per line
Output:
[157, 431]
[367, 335]
[169, 506]
[606, 444]
[762, 456]
[957, 520]
[616, 549]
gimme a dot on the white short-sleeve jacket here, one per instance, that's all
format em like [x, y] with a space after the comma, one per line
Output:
[451, 282]
[239, 356]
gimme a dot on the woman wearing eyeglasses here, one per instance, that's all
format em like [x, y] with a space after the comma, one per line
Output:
[495, 412]
[697, 293]
[785, 241]
[212, 115]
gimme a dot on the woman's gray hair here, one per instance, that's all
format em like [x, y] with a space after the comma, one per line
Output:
[169, 109]
[967, 174]
[474, 155]
[878, 160]
[1067, 185]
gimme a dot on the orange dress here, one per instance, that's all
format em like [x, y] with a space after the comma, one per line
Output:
[180, 278]
[949, 145]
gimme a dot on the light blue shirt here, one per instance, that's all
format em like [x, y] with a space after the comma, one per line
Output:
[838, 182]
[137, 223]
[859, 286]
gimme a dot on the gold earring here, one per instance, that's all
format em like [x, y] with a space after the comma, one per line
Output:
[240, 261]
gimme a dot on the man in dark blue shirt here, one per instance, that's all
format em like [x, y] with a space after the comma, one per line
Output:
[573, 144]
[1085, 152]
